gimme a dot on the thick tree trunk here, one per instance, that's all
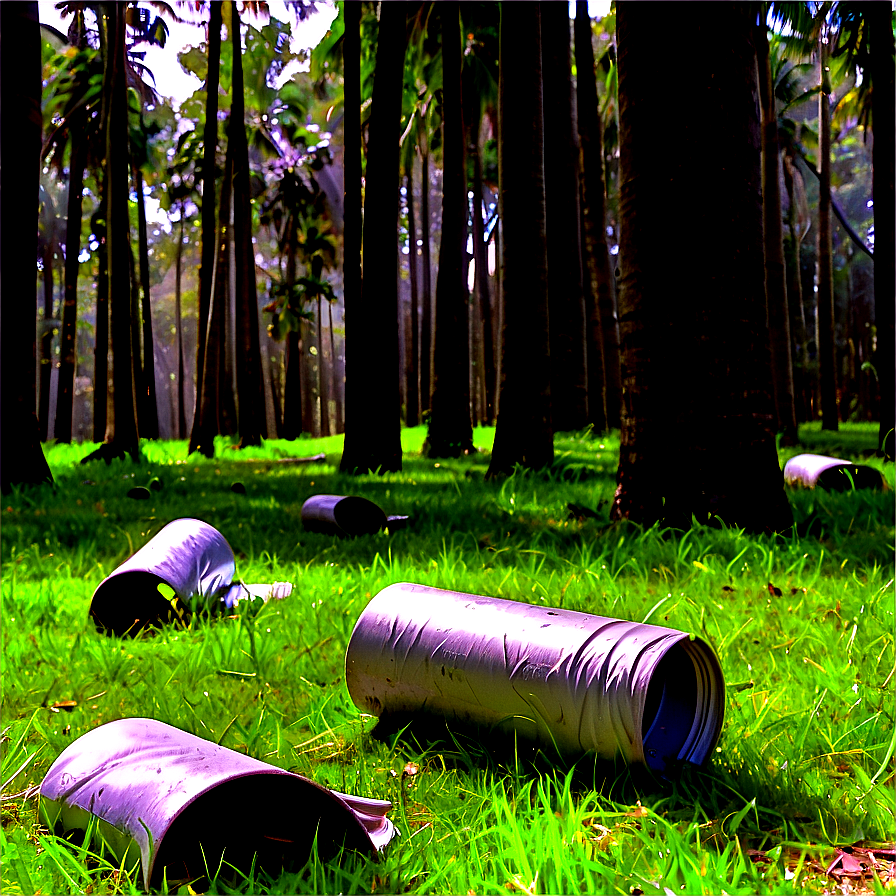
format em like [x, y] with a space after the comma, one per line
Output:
[426, 323]
[67, 351]
[148, 404]
[121, 424]
[605, 391]
[569, 372]
[373, 423]
[775, 269]
[523, 434]
[22, 460]
[412, 407]
[450, 431]
[879, 21]
[697, 440]
[824, 320]
[251, 422]
[209, 221]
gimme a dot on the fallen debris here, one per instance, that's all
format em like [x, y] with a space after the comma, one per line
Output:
[347, 515]
[831, 473]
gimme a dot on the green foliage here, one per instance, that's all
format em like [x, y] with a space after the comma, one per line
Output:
[803, 625]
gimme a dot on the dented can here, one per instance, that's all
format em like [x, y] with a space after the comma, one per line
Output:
[191, 558]
[831, 473]
[572, 682]
[181, 804]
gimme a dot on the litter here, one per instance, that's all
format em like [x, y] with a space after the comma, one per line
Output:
[572, 682]
[832, 473]
[180, 803]
[194, 560]
[347, 515]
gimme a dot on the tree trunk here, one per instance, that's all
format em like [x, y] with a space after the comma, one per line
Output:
[696, 431]
[67, 351]
[412, 407]
[121, 424]
[523, 434]
[322, 370]
[178, 324]
[148, 405]
[101, 342]
[22, 460]
[337, 401]
[450, 432]
[249, 381]
[426, 323]
[824, 320]
[46, 343]
[604, 384]
[373, 423]
[775, 269]
[480, 252]
[879, 20]
[569, 374]
[209, 221]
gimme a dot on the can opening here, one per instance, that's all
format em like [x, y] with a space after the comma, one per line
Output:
[670, 709]
[849, 476]
[132, 601]
[273, 820]
[358, 516]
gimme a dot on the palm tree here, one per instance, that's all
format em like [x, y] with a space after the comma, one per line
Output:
[21, 459]
[523, 434]
[569, 374]
[373, 424]
[450, 430]
[696, 371]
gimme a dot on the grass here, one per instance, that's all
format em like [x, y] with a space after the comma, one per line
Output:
[803, 626]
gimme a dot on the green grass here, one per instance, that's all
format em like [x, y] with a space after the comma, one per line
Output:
[803, 626]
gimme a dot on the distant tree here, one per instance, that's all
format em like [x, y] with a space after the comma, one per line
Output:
[604, 389]
[569, 370]
[523, 434]
[696, 434]
[373, 423]
[21, 459]
[450, 430]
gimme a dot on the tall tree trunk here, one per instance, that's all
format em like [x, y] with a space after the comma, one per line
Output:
[523, 434]
[322, 370]
[250, 383]
[775, 269]
[604, 392]
[480, 253]
[373, 423]
[335, 368]
[412, 408]
[148, 404]
[569, 373]
[797, 310]
[208, 221]
[46, 344]
[696, 369]
[22, 460]
[121, 424]
[178, 324]
[293, 386]
[101, 342]
[879, 20]
[824, 320]
[499, 313]
[67, 353]
[426, 260]
[450, 432]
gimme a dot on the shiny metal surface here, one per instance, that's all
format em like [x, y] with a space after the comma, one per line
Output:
[832, 473]
[342, 515]
[174, 801]
[571, 681]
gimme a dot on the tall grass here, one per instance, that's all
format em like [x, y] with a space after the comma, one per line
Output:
[803, 625]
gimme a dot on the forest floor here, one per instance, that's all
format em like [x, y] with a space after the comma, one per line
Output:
[795, 800]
